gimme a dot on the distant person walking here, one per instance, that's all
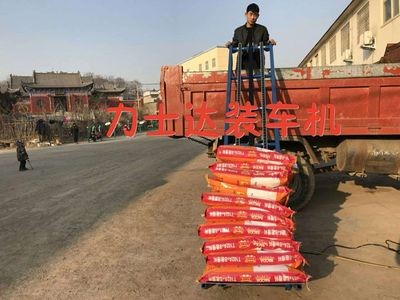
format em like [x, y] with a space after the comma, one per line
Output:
[41, 129]
[22, 155]
[93, 133]
[75, 132]
[99, 132]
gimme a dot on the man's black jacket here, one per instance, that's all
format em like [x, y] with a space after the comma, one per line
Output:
[260, 34]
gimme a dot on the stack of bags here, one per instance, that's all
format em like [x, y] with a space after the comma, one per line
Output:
[248, 230]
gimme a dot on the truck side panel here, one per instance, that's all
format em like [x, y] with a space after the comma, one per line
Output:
[368, 105]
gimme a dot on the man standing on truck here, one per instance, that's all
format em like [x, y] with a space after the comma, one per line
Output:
[251, 34]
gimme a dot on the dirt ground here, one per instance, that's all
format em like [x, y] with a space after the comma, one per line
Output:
[150, 249]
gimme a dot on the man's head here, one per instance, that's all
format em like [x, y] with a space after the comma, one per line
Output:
[252, 13]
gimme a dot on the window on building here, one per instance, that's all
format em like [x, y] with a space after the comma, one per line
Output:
[387, 10]
[363, 20]
[390, 9]
[206, 65]
[396, 4]
[323, 56]
[200, 67]
[39, 103]
[332, 50]
[345, 34]
[316, 62]
[213, 63]
[78, 103]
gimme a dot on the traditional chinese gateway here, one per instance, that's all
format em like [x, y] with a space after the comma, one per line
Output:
[53, 92]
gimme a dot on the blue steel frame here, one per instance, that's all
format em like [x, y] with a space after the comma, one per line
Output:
[228, 91]
[271, 75]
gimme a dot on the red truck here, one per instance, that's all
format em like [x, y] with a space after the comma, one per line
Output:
[367, 103]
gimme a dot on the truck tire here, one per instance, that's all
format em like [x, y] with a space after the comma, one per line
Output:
[303, 185]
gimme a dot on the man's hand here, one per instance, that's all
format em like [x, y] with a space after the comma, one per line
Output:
[272, 42]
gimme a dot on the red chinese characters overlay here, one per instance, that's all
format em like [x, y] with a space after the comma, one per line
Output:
[283, 120]
[162, 117]
[241, 117]
[204, 114]
[317, 117]
[241, 120]
[118, 111]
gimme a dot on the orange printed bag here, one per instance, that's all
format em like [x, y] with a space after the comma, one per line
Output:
[232, 214]
[251, 178]
[252, 154]
[241, 229]
[251, 166]
[218, 199]
[249, 244]
[274, 257]
[254, 274]
[279, 194]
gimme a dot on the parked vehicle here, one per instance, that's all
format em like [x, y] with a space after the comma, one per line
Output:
[367, 107]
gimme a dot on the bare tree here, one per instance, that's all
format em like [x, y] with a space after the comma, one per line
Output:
[7, 102]
[134, 90]
[120, 82]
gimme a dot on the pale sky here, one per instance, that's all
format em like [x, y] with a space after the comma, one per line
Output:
[133, 39]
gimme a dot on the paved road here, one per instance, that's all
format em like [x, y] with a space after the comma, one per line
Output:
[150, 249]
[70, 189]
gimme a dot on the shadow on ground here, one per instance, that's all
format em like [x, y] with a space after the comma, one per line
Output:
[318, 222]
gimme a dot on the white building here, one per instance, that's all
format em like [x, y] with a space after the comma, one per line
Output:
[151, 101]
[359, 35]
[151, 96]
[214, 59]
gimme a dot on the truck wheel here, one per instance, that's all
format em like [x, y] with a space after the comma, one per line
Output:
[303, 185]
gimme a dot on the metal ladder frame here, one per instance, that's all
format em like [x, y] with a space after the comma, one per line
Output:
[239, 79]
